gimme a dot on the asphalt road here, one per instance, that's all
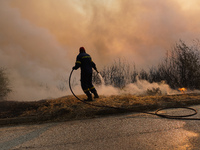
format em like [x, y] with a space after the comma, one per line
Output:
[124, 132]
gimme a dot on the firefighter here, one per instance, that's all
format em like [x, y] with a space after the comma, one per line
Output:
[84, 61]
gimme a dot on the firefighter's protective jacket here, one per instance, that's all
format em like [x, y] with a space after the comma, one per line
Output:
[84, 61]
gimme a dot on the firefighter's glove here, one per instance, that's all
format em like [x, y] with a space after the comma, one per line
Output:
[97, 71]
[74, 68]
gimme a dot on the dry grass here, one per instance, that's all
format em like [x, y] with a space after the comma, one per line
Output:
[69, 108]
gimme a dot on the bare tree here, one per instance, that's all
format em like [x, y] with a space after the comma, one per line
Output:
[180, 68]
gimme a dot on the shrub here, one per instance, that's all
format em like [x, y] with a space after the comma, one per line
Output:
[180, 68]
[154, 91]
[4, 84]
[117, 74]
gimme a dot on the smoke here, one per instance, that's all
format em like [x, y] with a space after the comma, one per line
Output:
[137, 30]
[39, 40]
[140, 87]
[34, 58]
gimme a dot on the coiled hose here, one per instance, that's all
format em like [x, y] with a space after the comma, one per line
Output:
[182, 117]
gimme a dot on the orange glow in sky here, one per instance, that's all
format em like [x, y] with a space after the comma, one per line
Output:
[41, 38]
[142, 30]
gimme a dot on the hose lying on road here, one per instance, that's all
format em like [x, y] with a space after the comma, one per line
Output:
[182, 117]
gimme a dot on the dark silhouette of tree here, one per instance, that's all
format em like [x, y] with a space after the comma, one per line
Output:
[4, 84]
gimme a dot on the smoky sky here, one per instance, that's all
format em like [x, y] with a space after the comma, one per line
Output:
[39, 40]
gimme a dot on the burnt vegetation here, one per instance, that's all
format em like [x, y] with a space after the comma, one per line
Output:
[179, 68]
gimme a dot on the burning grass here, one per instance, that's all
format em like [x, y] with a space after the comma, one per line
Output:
[69, 108]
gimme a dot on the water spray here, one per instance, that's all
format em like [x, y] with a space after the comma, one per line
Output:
[101, 78]
[180, 117]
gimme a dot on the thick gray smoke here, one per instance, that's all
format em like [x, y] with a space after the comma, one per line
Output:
[35, 60]
[39, 40]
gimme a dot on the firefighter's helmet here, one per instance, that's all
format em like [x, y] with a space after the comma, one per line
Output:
[82, 50]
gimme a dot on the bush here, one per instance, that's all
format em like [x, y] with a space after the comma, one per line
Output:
[154, 91]
[117, 74]
[4, 84]
[180, 68]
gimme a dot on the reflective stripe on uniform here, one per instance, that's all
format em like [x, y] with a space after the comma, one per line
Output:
[78, 62]
[92, 88]
[86, 57]
[86, 90]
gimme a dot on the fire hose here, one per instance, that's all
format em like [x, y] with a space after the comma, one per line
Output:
[180, 117]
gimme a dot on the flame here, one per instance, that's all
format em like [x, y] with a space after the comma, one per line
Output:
[183, 90]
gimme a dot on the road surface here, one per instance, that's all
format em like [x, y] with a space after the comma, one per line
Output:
[135, 131]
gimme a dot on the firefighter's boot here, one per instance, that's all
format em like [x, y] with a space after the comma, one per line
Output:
[96, 95]
[94, 91]
[89, 95]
